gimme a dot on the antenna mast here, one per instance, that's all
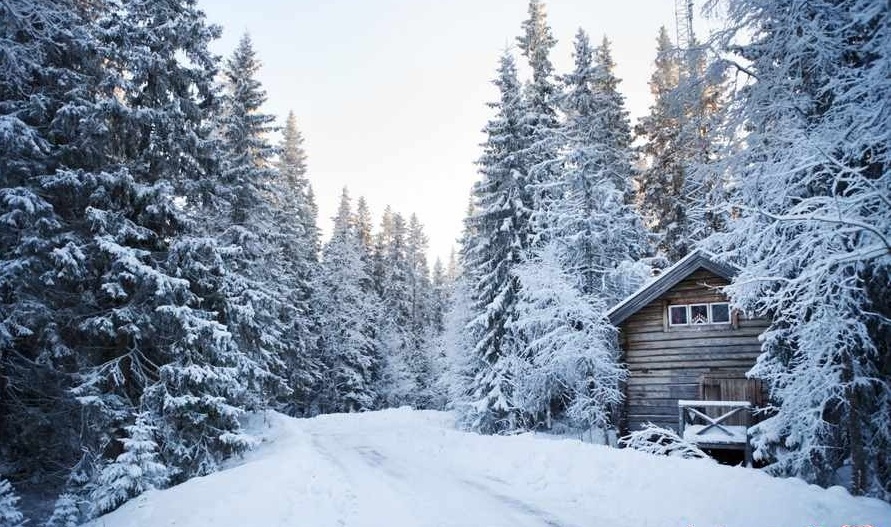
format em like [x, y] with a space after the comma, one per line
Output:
[683, 17]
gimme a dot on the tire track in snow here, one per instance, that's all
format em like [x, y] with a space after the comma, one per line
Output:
[437, 499]
[547, 518]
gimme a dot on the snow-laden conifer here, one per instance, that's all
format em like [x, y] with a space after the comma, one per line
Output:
[66, 512]
[348, 344]
[680, 195]
[540, 155]
[10, 515]
[133, 472]
[295, 267]
[570, 360]
[497, 234]
[811, 175]
[598, 237]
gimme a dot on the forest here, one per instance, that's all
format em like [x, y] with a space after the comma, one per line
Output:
[163, 271]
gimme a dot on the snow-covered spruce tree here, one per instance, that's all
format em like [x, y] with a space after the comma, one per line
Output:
[659, 182]
[458, 365]
[678, 192]
[255, 305]
[66, 512]
[403, 284]
[572, 365]
[202, 380]
[292, 167]
[598, 236]
[120, 126]
[440, 295]
[362, 222]
[348, 343]
[49, 59]
[296, 266]
[540, 155]
[497, 234]
[10, 515]
[812, 196]
[392, 277]
[225, 358]
[133, 472]
[421, 315]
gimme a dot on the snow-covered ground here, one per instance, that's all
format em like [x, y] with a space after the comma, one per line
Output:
[401, 468]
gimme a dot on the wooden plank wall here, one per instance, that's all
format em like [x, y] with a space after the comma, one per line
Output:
[669, 364]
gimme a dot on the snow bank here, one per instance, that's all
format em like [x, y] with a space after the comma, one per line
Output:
[408, 468]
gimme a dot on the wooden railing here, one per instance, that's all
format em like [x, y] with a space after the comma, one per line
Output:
[712, 431]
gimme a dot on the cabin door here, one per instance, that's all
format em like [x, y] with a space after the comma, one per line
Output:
[731, 386]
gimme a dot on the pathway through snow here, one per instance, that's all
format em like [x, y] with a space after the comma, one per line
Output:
[402, 468]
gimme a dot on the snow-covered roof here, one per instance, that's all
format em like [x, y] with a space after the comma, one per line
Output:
[698, 259]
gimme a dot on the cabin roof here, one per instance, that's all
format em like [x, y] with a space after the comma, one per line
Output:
[698, 259]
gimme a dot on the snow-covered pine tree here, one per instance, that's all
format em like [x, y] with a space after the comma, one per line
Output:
[573, 370]
[541, 153]
[362, 220]
[348, 310]
[440, 295]
[293, 199]
[120, 126]
[598, 236]
[419, 279]
[659, 182]
[49, 58]
[10, 515]
[133, 472]
[66, 512]
[421, 315]
[497, 234]
[678, 192]
[812, 195]
[393, 277]
[256, 307]
[457, 365]
[197, 381]
[296, 266]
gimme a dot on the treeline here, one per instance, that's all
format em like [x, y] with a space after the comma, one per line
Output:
[161, 269]
[767, 145]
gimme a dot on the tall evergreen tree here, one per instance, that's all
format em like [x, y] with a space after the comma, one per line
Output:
[296, 266]
[121, 128]
[678, 192]
[497, 234]
[812, 188]
[541, 155]
[393, 277]
[598, 236]
[50, 54]
[348, 341]
[255, 305]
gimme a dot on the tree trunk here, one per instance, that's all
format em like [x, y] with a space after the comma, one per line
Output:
[855, 433]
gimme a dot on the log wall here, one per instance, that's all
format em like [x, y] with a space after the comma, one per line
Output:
[666, 364]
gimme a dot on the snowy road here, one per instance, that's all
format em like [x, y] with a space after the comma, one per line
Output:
[403, 468]
[406, 485]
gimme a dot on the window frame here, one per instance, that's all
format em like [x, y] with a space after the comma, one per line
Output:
[689, 315]
[729, 313]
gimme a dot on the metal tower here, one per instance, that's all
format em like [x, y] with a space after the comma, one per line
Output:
[683, 16]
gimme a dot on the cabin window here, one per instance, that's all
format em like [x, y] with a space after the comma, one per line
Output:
[720, 313]
[699, 314]
[678, 315]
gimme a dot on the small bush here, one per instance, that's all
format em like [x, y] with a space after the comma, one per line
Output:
[661, 442]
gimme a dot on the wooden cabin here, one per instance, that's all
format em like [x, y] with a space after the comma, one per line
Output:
[682, 342]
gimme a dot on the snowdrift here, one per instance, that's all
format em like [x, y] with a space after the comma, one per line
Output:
[402, 468]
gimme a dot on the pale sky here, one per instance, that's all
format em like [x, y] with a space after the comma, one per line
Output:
[391, 95]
